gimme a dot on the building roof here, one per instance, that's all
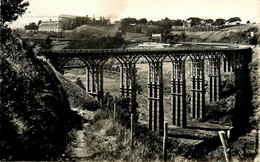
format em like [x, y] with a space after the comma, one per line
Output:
[156, 35]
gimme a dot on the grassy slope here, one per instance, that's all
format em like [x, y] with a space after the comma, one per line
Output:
[217, 36]
[95, 30]
[35, 113]
[102, 138]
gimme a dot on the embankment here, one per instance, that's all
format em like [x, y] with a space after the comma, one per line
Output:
[36, 105]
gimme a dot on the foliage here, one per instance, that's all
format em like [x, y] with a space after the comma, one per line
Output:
[12, 9]
[253, 40]
[72, 23]
[35, 113]
[97, 43]
[194, 21]
[47, 44]
[128, 21]
[209, 21]
[220, 21]
[177, 22]
[31, 26]
[166, 23]
[234, 19]
[80, 84]
[39, 22]
[147, 145]
[142, 21]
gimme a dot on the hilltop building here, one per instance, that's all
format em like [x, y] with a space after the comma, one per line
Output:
[118, 25]
[156, 37]
[55, 26]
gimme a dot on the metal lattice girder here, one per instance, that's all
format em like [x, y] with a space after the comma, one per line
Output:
[155, 92]
[94, 76]
[178, 90]
[214, 76]
[197, 86]
[233, 59]
[128, 79]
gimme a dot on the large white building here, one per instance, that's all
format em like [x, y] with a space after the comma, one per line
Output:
[55, 26]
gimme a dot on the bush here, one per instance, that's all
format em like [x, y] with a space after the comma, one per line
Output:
[80, 84]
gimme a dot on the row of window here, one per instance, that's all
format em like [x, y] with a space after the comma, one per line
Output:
[49, 29]
[56, 24]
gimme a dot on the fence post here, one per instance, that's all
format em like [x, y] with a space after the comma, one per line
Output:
[229, 146]
[244, 149]
[223, 139]
[132, 139]
[115, 111]
[165, 136]
[257, 151]
[108, 103]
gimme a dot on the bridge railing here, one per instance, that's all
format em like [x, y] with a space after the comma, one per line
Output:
[190, 49]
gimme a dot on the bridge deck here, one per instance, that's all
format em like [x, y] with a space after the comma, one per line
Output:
[115, 52]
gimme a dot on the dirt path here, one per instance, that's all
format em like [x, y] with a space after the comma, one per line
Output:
[79, 149]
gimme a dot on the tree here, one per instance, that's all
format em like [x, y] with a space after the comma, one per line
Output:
[220, 21]
[177, 22]
[166, 23]
[194, 21]
[12, 9]
[31, 26]
[234, 19]
[209, 21]
[142, 21]
[128, 21]
[48, 43]
[80, 84]
[39, 22]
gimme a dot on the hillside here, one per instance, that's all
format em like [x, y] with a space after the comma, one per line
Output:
[236, 34]
[36, 104]
[95, 30]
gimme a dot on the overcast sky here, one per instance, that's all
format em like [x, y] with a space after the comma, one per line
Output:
[150, 9]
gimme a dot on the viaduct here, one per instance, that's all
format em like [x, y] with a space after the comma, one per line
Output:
[219, 60]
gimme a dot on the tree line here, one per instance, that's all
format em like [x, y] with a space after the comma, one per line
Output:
[72, 23]
[168, 23]
[98, 42]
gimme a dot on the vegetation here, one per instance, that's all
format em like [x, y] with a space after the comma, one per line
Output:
[31, 26]
[80, 84]
[220, 22]
[128, 21]
[12, 9]
[234, 19]
[35, 112]
[97, 43]
[194, 21]
[177, 22]
[73, 23]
